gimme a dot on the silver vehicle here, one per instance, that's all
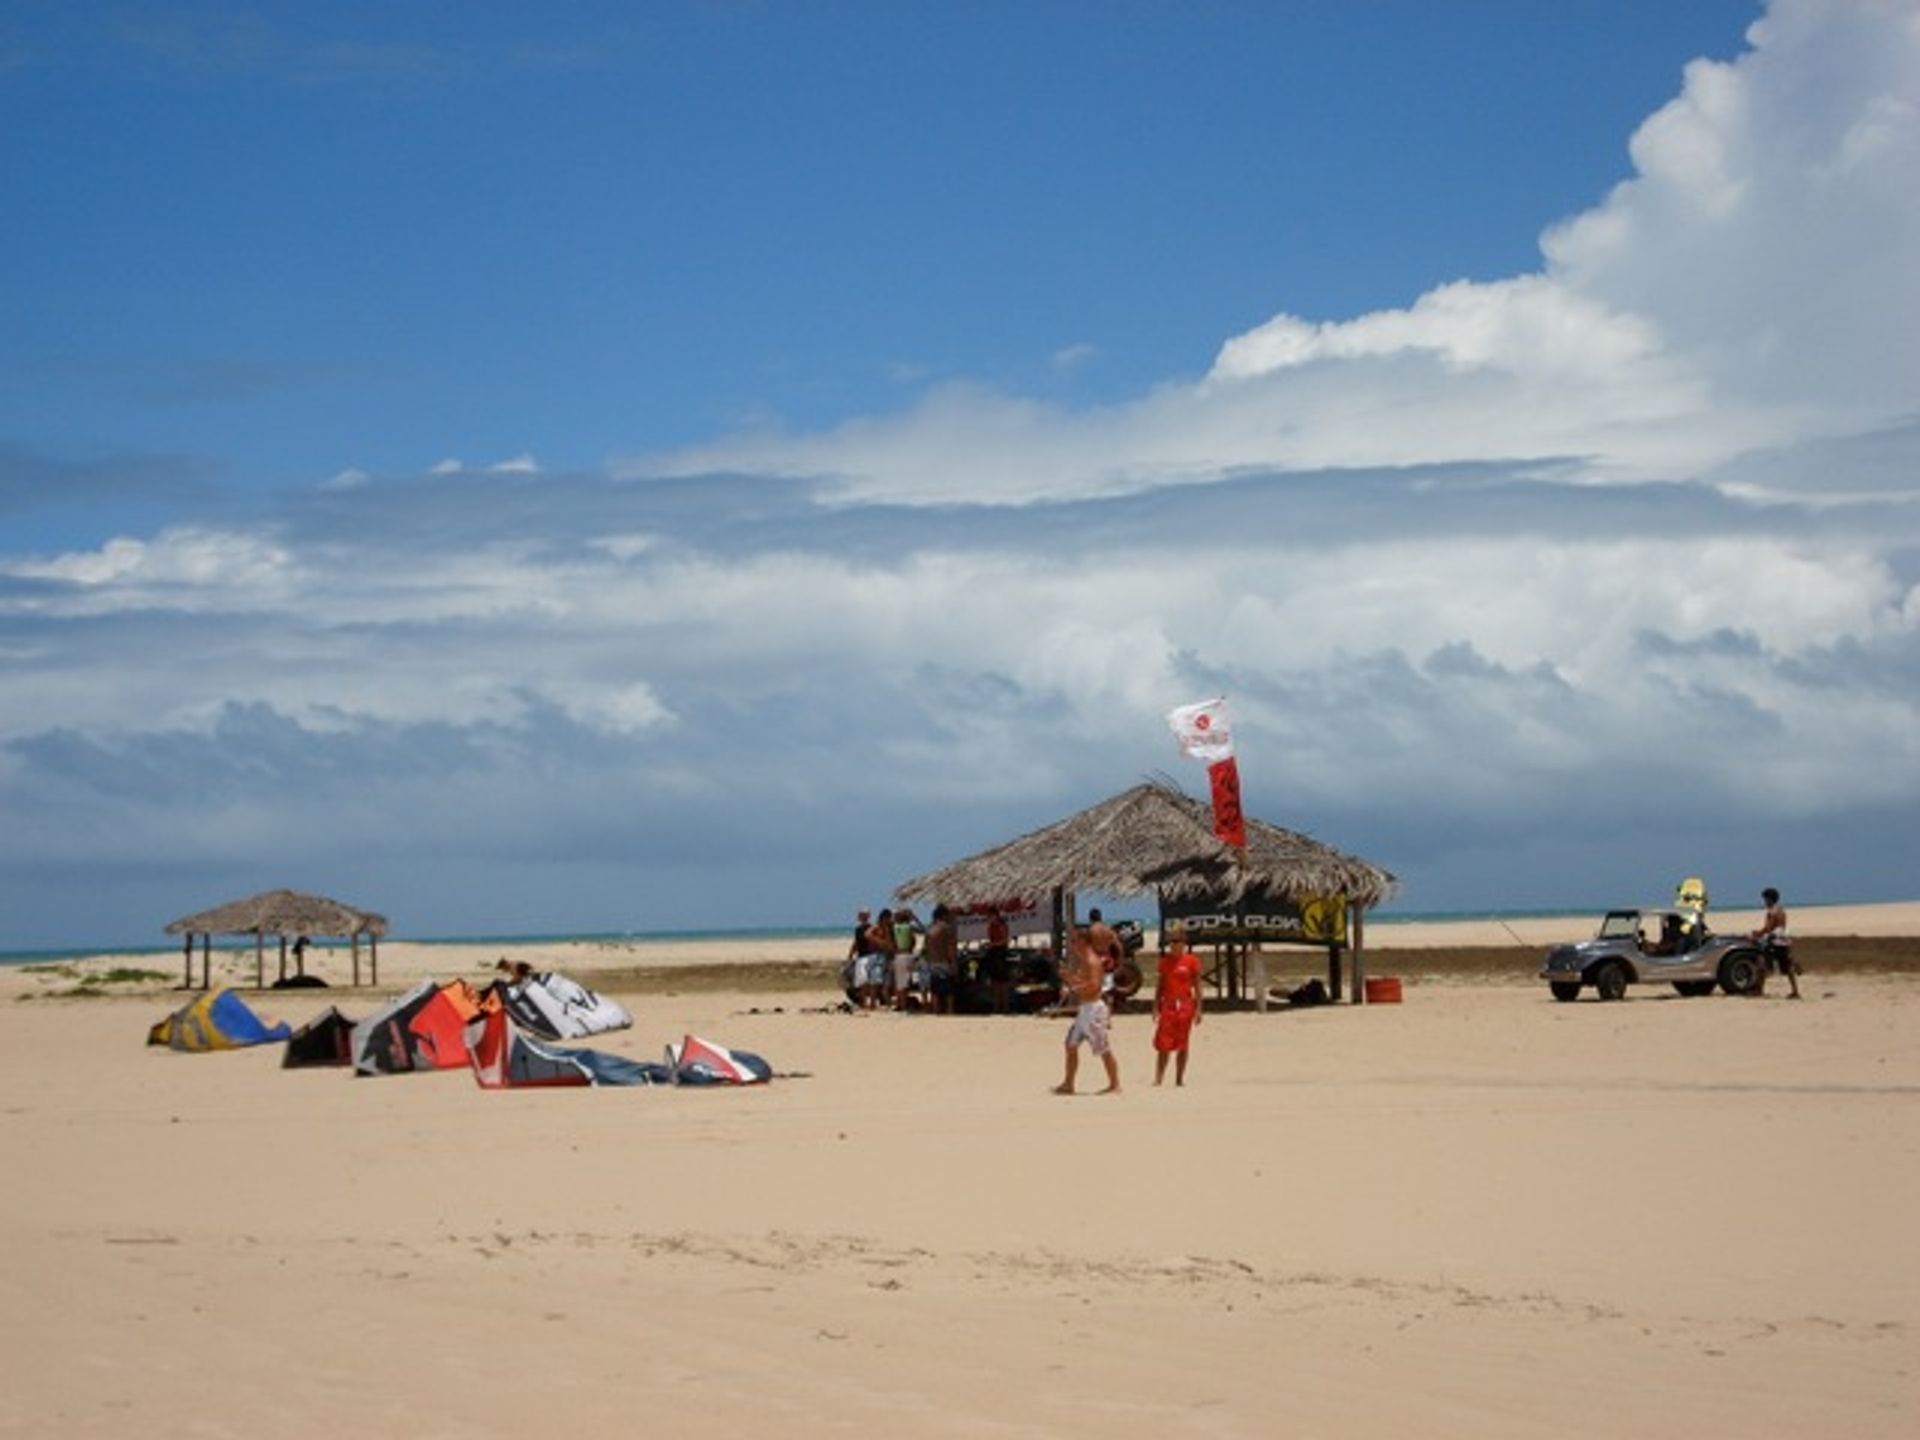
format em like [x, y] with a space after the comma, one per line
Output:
[1655, 946]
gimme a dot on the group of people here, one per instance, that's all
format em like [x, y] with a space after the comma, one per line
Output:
[897, 963]
[1093, 951]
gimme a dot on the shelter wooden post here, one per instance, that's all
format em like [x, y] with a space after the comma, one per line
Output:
[186, 979]
[1336, 967]
[259, 959]
[356, 959]
[1359, 930]
[373, 952]
[206, 960]
[283, 957]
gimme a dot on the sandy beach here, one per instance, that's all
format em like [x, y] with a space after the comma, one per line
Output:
[1476, 1213]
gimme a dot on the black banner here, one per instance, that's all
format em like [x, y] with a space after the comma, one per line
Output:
[1258, 915]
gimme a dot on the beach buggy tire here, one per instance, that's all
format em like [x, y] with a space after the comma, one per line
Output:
[1564, 989]
[1693, 989]
[1126, 980]
[1610, 980]
[1742, 973]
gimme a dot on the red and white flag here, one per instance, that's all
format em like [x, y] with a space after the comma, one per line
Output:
[1203, 733]
[1202, 729]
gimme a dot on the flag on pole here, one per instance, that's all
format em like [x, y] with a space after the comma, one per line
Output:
[1203, 733]
[1202, 729]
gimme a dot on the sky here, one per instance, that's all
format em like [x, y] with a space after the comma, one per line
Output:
[592, 468]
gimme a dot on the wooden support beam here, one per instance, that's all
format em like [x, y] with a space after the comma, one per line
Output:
[1358, 930]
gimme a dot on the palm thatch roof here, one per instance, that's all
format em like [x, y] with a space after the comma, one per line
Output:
[281, 912]
[1152, 838]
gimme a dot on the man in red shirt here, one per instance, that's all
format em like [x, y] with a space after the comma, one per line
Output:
[1176, 1005]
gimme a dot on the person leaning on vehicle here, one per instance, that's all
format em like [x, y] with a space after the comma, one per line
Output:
[1775, 942]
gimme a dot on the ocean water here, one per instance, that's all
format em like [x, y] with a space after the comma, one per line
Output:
[162, 955]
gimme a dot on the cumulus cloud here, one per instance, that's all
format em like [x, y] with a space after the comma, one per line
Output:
[1751, 286]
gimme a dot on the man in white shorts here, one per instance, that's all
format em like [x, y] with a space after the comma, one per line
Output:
[1083, 975]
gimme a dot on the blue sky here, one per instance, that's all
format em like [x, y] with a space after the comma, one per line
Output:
[641, 467]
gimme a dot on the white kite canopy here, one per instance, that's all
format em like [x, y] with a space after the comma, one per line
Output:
[558, 1007]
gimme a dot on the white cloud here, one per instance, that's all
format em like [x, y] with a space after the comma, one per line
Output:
[626, 547]
[1074, 357]
[619, 710]
[521, 464]
[178, 566]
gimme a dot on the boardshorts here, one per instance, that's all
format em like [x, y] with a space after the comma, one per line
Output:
[1090, 1025]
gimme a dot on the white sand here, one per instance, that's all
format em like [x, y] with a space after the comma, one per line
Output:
[1479, 1213]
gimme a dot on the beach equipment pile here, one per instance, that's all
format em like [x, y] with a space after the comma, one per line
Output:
[220, 1020]
[504, 1034]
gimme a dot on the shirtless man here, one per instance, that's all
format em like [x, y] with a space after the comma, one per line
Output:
[1776, 941]
[1107, 946]
[1083, 975]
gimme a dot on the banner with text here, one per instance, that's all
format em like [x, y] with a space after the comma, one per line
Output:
[1259, 916]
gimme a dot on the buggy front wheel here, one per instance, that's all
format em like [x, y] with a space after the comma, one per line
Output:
[1742, 973]
[1610, 980]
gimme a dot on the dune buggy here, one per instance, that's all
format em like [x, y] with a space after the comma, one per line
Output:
[1655, 946]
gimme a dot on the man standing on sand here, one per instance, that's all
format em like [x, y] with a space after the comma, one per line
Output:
[1775, 941]
[1083, 975]
[997, 961]
[859, 982]
[942, 954]
[1176, 1005]
[880, 957]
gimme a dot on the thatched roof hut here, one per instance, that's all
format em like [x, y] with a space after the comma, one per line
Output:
[280, 913]
[1155, 840]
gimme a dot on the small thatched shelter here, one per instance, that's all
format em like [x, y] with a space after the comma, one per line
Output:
[1155, 840]
[280, 913]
